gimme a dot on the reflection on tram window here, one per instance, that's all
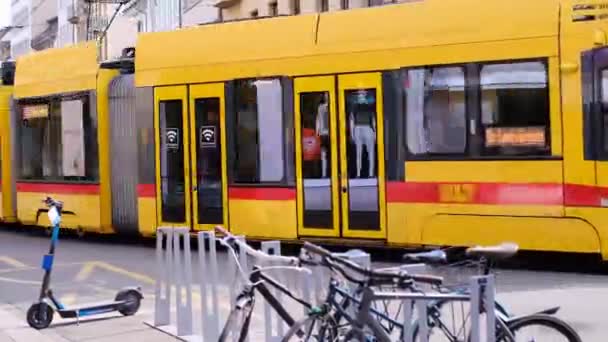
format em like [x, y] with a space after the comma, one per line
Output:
[316, 159]
[259, 155]
[58, 141]
[515, 108]
[436, 113]
[362, 159]
[172, 161]
[361, 111]
[604, 107]
[209, 161]
[316, 153]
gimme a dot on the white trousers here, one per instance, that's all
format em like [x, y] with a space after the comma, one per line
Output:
[365, 135]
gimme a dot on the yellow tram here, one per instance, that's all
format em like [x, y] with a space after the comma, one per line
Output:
[425, 123]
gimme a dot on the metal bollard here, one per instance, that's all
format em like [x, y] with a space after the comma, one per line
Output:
[162, 291]
[208, 277]
[183, 280]
[482, 288]
[272, 248]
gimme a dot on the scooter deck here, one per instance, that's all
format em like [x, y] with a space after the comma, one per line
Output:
[89, 309]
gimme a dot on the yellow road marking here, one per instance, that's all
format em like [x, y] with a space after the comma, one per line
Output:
[89, 267]
[18, 281]
[30, 268]
[12, 262]
[69, 299]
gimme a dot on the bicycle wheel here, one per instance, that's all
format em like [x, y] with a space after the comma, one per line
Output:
[553, 329]
[314, 328]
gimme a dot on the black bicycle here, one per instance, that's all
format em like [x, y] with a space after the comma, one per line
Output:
[257, 281]
[440, 313]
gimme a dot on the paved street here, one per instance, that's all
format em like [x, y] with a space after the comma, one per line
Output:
[94, 269]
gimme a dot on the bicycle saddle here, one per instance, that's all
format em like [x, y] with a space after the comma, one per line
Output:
[432, 257]
[497, 252]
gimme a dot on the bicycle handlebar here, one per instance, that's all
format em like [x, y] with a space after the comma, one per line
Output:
[258, 254]
[430, 279]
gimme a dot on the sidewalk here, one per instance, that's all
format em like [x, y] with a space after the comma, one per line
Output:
[104, 328]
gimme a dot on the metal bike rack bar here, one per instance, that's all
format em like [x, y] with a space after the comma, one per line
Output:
[183, 280]
[272, 248]
[208, 278]
[162, 290]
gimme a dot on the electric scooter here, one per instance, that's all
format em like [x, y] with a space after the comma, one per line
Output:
[40, 314]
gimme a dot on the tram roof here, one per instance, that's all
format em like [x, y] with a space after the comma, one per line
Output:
[220, 51]
[56, 71]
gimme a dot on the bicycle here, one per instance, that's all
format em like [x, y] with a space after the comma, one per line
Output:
[487, 257]
[506, 325]
[256, 280]
[363, 325]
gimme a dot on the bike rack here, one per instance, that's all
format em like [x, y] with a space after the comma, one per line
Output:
[173, 256]
[174, 272]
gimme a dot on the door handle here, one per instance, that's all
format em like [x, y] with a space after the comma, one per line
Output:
[194, 188]
[344, 189]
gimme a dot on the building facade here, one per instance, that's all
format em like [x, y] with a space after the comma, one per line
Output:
[20, 34]
[241, 9]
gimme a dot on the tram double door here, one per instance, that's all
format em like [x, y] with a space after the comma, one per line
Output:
[340, 156]
[191, 188]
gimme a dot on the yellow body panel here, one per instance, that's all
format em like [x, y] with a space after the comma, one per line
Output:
[146, 211]
[317, 44]
[103, 138]
[197, 92]
[86, 208]
[500, 171]
[7, 207]
[57, 70]
[566, 234]
[263, 219]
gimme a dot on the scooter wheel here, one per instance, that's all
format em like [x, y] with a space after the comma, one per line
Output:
[39, 315]
[132, 301]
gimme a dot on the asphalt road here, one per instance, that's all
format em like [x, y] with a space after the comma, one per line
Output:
[95, 269]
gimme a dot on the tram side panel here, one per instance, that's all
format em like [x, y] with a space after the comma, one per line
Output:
[81, 198]
[6, 200]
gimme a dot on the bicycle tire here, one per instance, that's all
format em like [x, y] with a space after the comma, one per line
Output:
[545, 320]
[326, 326]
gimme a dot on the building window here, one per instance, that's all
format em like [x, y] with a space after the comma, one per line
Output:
[254, 13]
[259, 132]
[436, 110]
[324, 5]
[58, 141]
[273, 9]
[296, 7]
[515, 109]
[344, 4]
[372, 3]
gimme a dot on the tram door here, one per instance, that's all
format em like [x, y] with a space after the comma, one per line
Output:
[172, 169]
[208, 156]
[190, 158]
[339, 163]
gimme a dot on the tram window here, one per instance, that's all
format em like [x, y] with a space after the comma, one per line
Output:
[515, 109]
[259, 146]
[604, 108]
[436, 110]
[58, 141]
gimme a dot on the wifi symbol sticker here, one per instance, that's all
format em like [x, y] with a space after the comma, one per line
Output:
[172, 138]
[207, 136]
